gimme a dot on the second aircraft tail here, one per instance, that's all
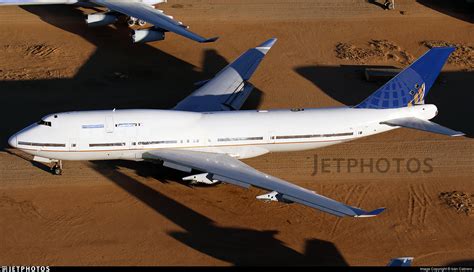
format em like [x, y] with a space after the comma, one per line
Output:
[411, 85]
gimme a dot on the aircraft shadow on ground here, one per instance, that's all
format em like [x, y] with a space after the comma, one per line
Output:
[377, 3]
[36, 164]
[458, 9]
[118, 74]
[451, 93]
[239, 246]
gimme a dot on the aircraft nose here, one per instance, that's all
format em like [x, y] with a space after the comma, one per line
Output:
[12, 141]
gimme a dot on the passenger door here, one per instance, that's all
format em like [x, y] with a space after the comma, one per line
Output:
[270, 137]
[73, 144]
[109, 124]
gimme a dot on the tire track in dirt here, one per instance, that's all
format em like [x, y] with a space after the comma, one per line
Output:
[29, 210]
[364, 190]
[418, 202]
[26, 207]
[40, 50]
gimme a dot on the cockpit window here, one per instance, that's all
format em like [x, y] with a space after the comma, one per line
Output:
[44, 123]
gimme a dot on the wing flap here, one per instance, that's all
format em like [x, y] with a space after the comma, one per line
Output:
[177, 166]
[231, 170]
[231, 181]
[425, 125]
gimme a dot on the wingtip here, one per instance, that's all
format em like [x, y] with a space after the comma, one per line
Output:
[268, 43]
[361, 213]
[213, 39]
[459, 134]
[266, 46]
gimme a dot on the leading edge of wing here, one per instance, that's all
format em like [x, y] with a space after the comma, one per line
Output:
[233, 171]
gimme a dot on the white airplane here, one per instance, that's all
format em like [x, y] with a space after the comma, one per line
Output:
[206, 132]
[139, 12]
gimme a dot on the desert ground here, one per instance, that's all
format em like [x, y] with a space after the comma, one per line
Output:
[139, 213]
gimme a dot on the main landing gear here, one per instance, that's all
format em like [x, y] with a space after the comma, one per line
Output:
[135, 21]
[389, 4]
[57, 168]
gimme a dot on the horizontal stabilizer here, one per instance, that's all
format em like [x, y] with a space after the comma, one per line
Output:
[425, 125]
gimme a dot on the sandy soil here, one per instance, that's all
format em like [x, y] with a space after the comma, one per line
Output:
[126, 213]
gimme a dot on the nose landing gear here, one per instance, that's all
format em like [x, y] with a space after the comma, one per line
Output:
[57, 168]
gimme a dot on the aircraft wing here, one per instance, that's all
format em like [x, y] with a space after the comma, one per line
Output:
[230, 170]
[151, 15]
[229, 89]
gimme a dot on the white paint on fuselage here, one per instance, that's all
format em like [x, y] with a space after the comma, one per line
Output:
[128, 134]
[66, 2]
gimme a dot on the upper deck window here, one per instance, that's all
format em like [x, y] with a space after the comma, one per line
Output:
[127, 125]
[93, 126]
[44, 123]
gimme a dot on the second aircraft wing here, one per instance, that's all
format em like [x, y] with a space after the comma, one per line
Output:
[151, 15]
[230, 170]
[229, 89]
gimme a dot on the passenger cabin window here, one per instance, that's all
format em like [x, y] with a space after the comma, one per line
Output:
[44, 123]
[106, 144]
[157, 142]
[312, 135]
[239, 139]
[41, 144]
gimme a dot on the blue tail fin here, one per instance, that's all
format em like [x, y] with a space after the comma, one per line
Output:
[410, 86]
